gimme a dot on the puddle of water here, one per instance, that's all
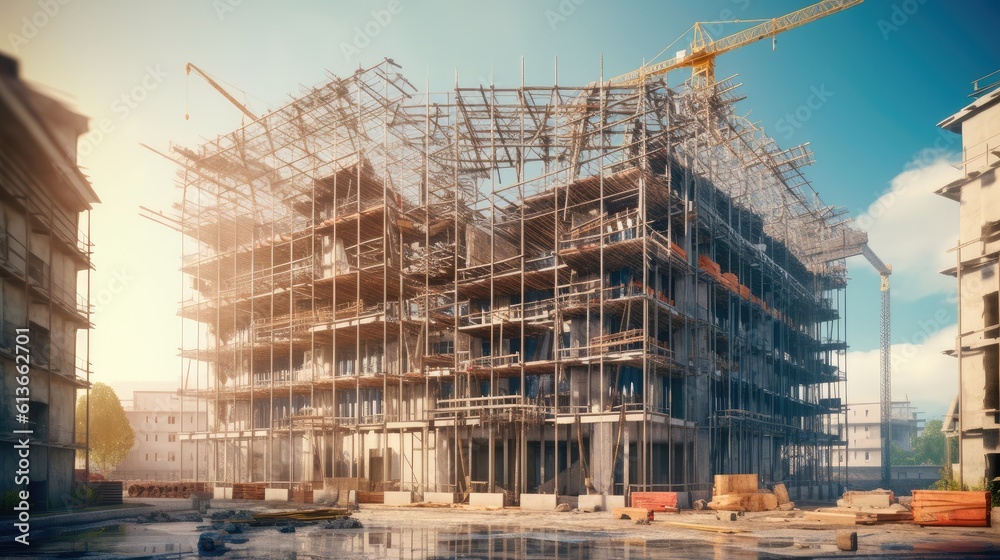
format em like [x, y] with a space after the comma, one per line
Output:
[179, 540]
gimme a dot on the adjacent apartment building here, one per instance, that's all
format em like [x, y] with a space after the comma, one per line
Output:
[532, 290]
[158, 418]
[863, 456]
[977, 272]
[45, 204]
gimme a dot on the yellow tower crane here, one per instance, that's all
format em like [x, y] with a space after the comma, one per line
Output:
[700, 57]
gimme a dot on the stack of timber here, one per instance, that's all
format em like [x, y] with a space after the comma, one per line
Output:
[677, 249]
[655, 501]
[161, 489]
[862, 508]
[710, 266]
[284, 517]
[249, 490]
[739, 492]
[951, 508]
[730, 281]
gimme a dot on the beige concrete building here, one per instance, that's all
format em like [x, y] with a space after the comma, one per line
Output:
[45, 202]
[864, 431]
[978, 276]
[157, 418]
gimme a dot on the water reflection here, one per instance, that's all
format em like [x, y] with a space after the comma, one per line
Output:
[179, 540]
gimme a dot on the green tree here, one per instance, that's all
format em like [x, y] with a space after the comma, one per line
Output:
[111, 435]
[900, 457]
[929, 445]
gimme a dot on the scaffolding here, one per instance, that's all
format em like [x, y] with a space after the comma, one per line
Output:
[538, 289]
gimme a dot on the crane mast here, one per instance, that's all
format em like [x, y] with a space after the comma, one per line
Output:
[885, 361]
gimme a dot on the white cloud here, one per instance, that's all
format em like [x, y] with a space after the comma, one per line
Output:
[911, 228]
[920, 372]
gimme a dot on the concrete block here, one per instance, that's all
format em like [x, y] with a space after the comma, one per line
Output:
[873, 499]
[538, 502]
[486, 499]
[605, 502]
[276, 494]
[222, 493]
[400, 498]
[439, 497]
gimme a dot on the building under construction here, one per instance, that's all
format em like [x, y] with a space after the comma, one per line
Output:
[531, 290]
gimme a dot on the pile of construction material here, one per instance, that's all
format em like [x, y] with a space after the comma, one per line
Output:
[740, 492]
[161, 489]
[863, 508]
[951, 508]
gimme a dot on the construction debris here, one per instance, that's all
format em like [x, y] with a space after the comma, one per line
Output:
[210, 541]
[739, 492]
[862, 508]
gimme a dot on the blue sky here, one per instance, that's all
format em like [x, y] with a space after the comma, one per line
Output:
[882, 75]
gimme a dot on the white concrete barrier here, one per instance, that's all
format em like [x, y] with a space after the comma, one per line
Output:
[602, 501]
[538, 502]
[222, 493]
[439, 497]
[399, 498]
[486, 499]
[276, 494]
